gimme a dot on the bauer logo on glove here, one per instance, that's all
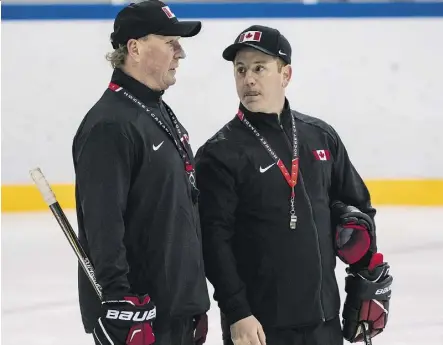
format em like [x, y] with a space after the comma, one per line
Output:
[130, 316]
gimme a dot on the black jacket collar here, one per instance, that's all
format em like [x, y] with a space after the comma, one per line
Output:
[139, 90]
[261, 120]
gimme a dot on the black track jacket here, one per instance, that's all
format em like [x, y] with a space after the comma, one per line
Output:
[136, 219]
[255, 262]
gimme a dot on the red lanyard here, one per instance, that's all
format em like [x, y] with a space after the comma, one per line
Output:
[189, 168]
[292, 178]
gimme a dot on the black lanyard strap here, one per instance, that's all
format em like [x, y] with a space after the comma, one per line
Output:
[188, 167]
[292, 178]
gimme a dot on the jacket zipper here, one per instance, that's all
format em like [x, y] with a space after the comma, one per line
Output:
[315, 228]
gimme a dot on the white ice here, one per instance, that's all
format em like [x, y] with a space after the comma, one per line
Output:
[39, 281]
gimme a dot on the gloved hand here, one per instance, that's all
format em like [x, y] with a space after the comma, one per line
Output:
[367, 300]
[126, 320]
[200, 329]
[354, 234]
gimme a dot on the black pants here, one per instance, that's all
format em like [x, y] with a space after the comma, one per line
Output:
[180, 332]
[327, 333]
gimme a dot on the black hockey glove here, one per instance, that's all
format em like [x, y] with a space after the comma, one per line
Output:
[126, 321]
[367, 301]
[354, 234]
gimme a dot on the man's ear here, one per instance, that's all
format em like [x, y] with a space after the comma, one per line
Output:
[287, 74]
[133, 47]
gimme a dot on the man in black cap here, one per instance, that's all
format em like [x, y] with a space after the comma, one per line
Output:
[280, 199]
[136, 193]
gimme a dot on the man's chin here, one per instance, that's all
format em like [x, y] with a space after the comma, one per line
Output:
[253, 105]
[171, 81]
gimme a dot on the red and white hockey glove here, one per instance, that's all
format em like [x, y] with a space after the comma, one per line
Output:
[126, 321]
[366, 309]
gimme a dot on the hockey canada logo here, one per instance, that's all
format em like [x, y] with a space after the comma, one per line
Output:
[250, 36]
[168, 12]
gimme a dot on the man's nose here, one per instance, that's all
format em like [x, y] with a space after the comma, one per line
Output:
[249, 78]
[179, 52]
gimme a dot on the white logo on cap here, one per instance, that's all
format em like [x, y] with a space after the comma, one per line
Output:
[254, 36]
[168, 12]
[281, 53]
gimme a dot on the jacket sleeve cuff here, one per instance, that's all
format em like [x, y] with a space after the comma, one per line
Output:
[116, 291]
[237, 314]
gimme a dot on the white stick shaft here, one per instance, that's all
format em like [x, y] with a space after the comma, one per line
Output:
[66, 227]
[43, 186]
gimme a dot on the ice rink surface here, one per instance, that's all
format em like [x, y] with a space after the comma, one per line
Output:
[39, 286]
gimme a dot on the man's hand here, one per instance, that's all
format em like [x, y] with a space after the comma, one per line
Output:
[200, 329]
[367, 300]
[248, 331]
[354, 234]
[126, 321]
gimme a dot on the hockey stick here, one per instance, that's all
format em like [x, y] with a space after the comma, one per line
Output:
[57, 211]
[366, 336]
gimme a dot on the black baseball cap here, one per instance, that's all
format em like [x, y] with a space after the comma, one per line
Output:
[149, 17]
[268, 40]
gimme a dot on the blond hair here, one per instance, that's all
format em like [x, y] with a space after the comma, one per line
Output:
[117, 58]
